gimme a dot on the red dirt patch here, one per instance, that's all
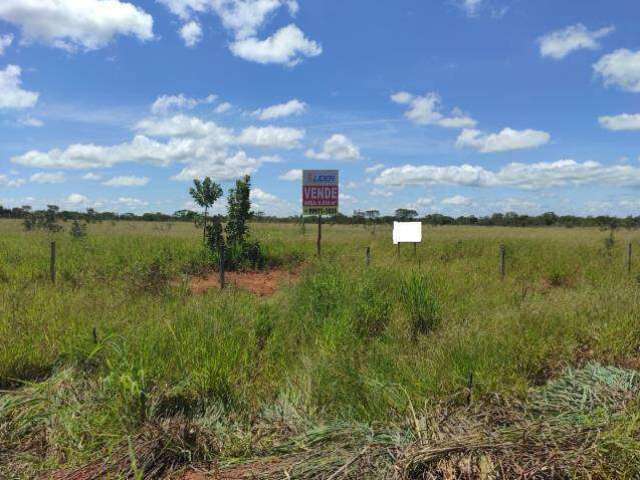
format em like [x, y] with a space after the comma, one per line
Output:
[263, 284]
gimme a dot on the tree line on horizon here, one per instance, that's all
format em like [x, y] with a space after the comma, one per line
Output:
[509, 219]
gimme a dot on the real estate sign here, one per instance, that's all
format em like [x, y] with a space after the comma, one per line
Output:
[407, 232]
[320, 192]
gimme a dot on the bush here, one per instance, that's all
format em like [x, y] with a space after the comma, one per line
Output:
[420, 303]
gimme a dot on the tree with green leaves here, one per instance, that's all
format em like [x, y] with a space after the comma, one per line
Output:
[239, 211]
[404, 214]
[205, 193]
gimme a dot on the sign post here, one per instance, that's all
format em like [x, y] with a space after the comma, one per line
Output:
[320, 196]
[407, 232]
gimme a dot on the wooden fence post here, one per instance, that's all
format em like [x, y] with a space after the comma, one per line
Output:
[629, 255]
[319, 240]
[502, 262]
[368, 256]
[221, 268]
[52, 267]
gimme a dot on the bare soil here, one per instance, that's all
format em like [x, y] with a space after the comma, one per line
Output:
[263, 284]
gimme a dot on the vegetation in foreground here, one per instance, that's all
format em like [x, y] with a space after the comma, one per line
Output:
[416, 367]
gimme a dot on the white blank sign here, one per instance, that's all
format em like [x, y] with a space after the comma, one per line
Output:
[407, 232]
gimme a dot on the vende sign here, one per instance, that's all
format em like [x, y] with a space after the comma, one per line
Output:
[320, 192]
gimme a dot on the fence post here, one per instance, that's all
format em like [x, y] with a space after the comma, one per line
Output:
[629, 254]
[221, 268]
[368, 256]
[53, 262]
[502, 262]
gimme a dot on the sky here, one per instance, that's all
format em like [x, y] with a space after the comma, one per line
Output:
[451, 106]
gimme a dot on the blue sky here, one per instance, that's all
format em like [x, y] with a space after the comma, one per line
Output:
[450, 106]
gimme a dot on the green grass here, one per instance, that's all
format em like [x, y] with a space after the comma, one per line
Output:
[119, 343]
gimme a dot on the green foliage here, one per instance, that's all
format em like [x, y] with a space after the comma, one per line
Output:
[372, 305]
[420, 302]
[205, 193]
[238, 211]
[43, 220]
[78, 230]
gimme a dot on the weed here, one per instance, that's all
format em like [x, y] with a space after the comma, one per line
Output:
[420, 303]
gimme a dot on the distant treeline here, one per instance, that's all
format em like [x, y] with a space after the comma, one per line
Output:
[358, 218]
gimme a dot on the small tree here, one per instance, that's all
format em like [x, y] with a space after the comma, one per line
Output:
[239, 211]
[205, 193]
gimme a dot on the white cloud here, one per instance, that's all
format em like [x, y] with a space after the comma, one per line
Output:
[624, 121]
[127, 181]
[271, 137]
[131, 202]
[166, 103]
[73, 24]
[292, 107]
[77, 199]
[5, 42]
[286, 47]
[534, 176]
[337, 147]
[223, 108]
[11, 95]
[94, 177]
[6, 181]
[561, 43]
[470, 7]
[191, 33]
[47, 177]
[294, 175]
[269, 203]
[620, 68]
[504, 141]
[425, 110]
[374, 168]
[458, 201]
[220, 166]
[185, 126]
[376, 192]
[31, 122]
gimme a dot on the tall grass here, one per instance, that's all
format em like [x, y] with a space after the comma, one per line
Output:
[345, 343]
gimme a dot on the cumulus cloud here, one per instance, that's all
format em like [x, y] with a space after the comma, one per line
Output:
[271, 137]
[165, 103]
[506, 140]
[292, 107]
[92, 176]
[458, 201]
[374, 168]
[223, 108]
[47, 177]
[244, 19]
[127, 181]
[203, 148]
[288, 46]
[425, 110]
[191, 33]
[534, 176]
[131, 202]
[337, 147]
[220, 166]
[620, 68]
[294, 175]
[5, 42]
[185, 126]
[12, 96]
[73, 24]
[470, 7]
[377, 192]
[7, 181]
[624, 121]
[77, 199]
[559, 44]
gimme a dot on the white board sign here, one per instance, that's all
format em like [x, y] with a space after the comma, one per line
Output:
[407, 232]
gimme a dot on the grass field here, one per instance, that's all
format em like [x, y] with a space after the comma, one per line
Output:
[426, 366]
